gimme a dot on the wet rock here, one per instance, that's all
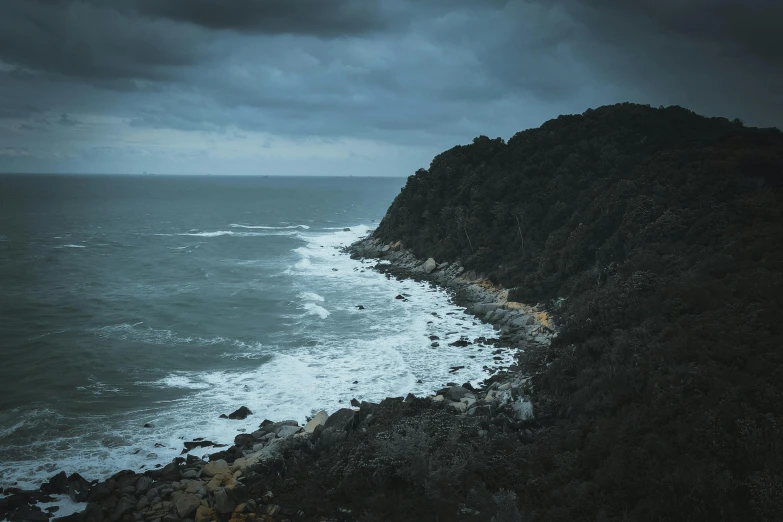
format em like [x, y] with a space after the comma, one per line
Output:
[319, 420]
[147, 425]
[461, 343]
[196, 444]
[30, 514]
[355, 403]
[341, 420]
[434, 338]
[192, 460]
[169, 472]
[359, 307]
[456, 369]
[244, 440]
[241, 413]
[410, 397]
[223, 416]
[102, 490]
[400, 297]
[346, 229]
[78, 488]
[57, 485]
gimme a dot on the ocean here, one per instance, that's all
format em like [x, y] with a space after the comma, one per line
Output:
[170, 300]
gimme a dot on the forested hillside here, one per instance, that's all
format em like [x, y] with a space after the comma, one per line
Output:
[663, 232]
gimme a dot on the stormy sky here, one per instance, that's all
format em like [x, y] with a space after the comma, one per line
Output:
[354, 87]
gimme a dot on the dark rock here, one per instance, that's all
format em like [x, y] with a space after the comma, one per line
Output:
[148, 425]
[57, 485]
[223, 503]
[455, 369]
[328, 437]
[419, 381]
[102, 490]
[341, 420]
[169, 473]
[461, 343]
[366, 409]
[78, 488]
[29, 514]
[360, 307]
[435, 344]
[391, 400]
[274, 427]
[456, 393]
[192, 460]
[93, 513]
[223, 416]
[355, 403]
[401, 297]
[434, 338]
[143, 485]
[468, 386]
[240, 413]
[356, 382]
[244, 440]
[125, 505]
[265, 423]
[410, 397]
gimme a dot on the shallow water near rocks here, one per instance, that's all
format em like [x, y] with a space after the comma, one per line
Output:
[172, 300]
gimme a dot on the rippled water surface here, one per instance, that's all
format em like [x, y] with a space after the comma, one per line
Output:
[171, 300]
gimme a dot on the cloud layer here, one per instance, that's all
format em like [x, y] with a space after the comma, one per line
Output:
[361, 87]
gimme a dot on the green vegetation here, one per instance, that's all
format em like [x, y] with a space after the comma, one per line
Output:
[662, 397]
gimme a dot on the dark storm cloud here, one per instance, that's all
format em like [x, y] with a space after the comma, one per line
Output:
[311, 17]
[94, 41]
[427, 74]
[741, 26]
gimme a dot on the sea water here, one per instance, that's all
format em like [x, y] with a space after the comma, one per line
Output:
[168, 301]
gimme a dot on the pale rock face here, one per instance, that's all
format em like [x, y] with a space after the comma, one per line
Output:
[213, 468]
[319, 420]
[186, 503]
[523, 409]
[429, 265]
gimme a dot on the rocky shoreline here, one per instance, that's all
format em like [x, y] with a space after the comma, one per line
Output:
[238, 483]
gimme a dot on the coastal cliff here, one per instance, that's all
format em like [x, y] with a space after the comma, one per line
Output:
[656, 236]
[630, 260]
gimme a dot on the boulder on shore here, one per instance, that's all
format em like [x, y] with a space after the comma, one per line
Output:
[429, 265]
[341, 420]
[240, 413]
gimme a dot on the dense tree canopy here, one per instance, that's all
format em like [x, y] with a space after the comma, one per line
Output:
[663, 231]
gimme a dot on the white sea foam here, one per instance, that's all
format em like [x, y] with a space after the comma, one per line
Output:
[385, 347]
[310, 296]
[263, 227]
[208, 234]
[314, 309]
[73, 246]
